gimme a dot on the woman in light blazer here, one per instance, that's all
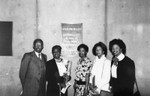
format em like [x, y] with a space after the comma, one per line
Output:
[100, 73]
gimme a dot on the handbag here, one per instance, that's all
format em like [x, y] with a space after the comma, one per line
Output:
[137, 93]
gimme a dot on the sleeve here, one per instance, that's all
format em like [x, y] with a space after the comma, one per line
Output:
[128, 73]
[90, 66]
[23, 68]
[105, 75]
[47, 71]
[51, 74]
[45, 58]
[59, 79]
[131, 72]
[92, 73]
[91, 77]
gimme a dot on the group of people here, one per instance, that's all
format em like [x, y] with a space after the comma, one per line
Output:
[102, 77]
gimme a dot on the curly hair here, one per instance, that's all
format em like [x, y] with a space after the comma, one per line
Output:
[102, 45]
[118, 42]
[83, 46]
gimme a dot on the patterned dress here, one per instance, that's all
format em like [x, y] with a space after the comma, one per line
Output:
[83, 66]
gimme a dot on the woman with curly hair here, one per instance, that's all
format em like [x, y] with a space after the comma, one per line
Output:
[84, 65]
[122, 69]
[100, 73]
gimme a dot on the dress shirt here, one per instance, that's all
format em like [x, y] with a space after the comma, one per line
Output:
[101, 71]
[114, 67]
[38, 54]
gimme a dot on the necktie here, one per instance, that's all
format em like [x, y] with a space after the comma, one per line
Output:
[115, 61]
[39, 56]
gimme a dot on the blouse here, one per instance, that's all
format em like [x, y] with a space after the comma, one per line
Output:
[101, 71]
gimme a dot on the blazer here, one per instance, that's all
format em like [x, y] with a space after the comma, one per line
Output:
[124, 83]
[32, 74]
[53, 78]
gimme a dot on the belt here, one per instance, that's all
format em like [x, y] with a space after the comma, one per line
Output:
[80, 82]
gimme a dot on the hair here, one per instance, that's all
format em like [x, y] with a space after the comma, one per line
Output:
[118, 42]
[83, 46]
[38, 40]
[102, 45]
[56, 47]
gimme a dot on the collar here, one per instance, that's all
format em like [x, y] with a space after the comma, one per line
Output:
[84, 59]
[58, 61]
[121, 56]
[102, 57]
[37, 54]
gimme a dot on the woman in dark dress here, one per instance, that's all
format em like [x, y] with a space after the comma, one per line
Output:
[57, 73]
[122, 69]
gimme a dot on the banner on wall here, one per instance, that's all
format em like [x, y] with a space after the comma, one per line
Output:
[71, 38]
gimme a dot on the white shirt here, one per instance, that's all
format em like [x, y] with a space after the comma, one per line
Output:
[37, 54]
[61, 68]
[101, 71]
[64, 66]
[114, 67]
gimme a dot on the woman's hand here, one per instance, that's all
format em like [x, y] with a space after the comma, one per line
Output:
[75, 84]
[67, 77]
[93, 89]
[94, 92]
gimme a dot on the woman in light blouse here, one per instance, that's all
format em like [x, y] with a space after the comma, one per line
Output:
[100, 73]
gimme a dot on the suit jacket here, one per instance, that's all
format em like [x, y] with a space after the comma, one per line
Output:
[32, 74]
[53, 78]
[124, 83]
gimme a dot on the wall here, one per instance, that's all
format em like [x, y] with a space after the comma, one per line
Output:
[129, 20]
[22, 14]
[126, 19]
[54, 12]
[42, 19]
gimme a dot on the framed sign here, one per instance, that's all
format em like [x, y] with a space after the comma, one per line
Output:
[71, 38]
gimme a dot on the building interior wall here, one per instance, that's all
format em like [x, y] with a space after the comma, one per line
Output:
[103, 20]
[129, 20]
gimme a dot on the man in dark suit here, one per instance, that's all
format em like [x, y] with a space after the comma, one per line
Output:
[123, 70]
[32, 71]
[56, 74]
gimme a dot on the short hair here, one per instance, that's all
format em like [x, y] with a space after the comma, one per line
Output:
[38, 40]
[118, 42]
[86, 48]
[102, 45]
[56, 47]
